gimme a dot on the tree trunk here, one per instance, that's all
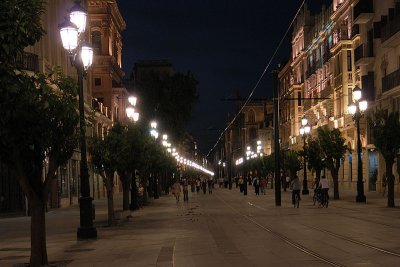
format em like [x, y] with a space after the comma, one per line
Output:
[126, 182]
[38, 234]
[390, 183]
[335, 178]
[125, 192]
[110, 206]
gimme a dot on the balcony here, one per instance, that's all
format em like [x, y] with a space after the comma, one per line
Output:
[27, 61]
[363, 11]
[364, 54]
[327, 92]
[390, 81]
[338, 81]
[390, 33]
[355, 31]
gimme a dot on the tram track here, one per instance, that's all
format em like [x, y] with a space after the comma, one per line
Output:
[360, 243]
[284, 238]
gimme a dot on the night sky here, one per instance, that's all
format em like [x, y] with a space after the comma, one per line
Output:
[226, 44]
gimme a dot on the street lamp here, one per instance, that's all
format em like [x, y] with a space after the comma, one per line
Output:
[357, 109]
[134, 116]
[304, 131]
[130, 110]
[153, 131]
[81, 56]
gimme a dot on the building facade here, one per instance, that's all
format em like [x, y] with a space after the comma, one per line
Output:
[347, 44]
[104, 96]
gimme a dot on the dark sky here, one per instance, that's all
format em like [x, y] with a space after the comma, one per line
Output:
[226, 44]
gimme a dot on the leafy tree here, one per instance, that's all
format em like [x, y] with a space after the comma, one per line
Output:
[105, 154]
[39, 117]
[386, 138]
[315, 156]
[170, 100]
[334, 148]
[291, 162]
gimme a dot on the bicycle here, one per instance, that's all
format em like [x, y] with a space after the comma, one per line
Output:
[317, 196]
[324, 201]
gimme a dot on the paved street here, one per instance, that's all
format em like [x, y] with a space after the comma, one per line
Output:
[222, 229]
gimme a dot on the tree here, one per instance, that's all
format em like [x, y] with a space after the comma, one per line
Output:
[291, 162]
[315, 156]
[105, 154]
[334, 148]
[386, 138]
[39, 117]
[169, 99]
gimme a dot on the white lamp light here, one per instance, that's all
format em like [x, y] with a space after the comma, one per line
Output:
[78, 16]
[351, 109]
[357, 93]
[86, 55]
[69, 35]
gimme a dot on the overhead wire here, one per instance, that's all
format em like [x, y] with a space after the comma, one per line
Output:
[259, 80]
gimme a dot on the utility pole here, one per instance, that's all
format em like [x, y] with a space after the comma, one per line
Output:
[275, 85]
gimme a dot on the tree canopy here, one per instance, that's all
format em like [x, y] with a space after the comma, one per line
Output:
[169, 99]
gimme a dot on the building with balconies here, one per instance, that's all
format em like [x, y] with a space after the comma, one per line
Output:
[350, 43]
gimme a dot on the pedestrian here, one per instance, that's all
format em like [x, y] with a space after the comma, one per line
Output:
[198, 184]
[287, 181]
[176, 190]
[263, 185]
[210, 185]
[140, 195]
[324, 185]
[295, 185]
[204, 185]
[185, 191]
[241, 181]
[256, 184]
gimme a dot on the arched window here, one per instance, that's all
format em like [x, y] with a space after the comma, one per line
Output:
[251, 117]
[96, 42]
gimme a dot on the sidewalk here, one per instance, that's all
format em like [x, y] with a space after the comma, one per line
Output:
[202, 232]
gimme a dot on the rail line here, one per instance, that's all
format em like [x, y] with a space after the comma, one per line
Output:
[360, 243]
[285, 239]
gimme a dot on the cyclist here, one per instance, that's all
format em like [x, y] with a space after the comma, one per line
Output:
[295, 185]
[324, 185]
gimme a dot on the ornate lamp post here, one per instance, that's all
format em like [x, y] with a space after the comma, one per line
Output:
[134, 116]
[81, 56]
[304, 131]
[357, 109]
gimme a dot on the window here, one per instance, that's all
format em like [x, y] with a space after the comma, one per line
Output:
[97, 81]
[251, 117]
[349, 63]
[96, 42]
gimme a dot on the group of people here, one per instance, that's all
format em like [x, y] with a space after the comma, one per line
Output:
[260, 185]
[195, 184]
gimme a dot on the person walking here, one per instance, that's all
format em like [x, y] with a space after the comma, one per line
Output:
[295, 185]
[198, 184]
[241, 184]
[263, 185]
[324, 185]
[204, 185]
[185, 191]
[176, 190]
[210, 185]
[256, 184]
